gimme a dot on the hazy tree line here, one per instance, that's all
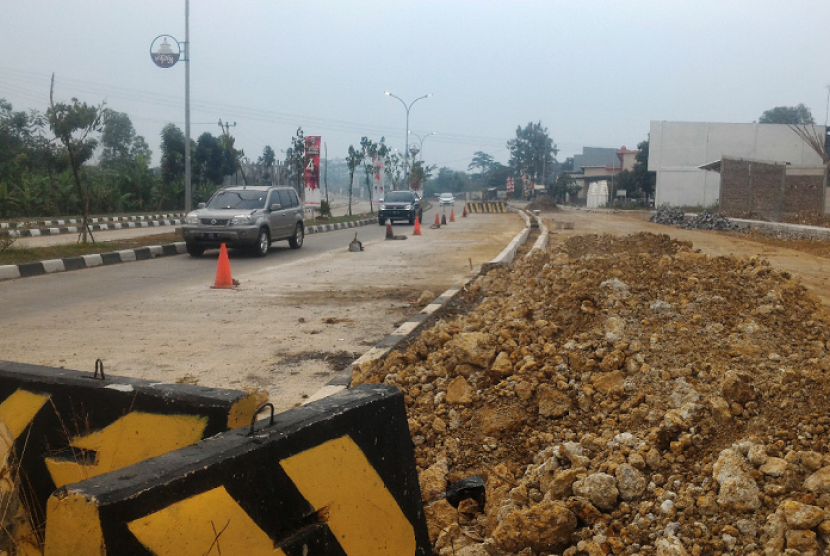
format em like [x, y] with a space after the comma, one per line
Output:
[76, 159]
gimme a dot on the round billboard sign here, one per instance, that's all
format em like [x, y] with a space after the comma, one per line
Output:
[165, 53]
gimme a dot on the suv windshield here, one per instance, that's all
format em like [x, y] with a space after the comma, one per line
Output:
[398, 197]
[238, 200]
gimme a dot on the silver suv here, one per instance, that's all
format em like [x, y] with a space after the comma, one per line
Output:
[249, 216]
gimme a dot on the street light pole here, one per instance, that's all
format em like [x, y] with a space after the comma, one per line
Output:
[406, 135]
[188, 199]
[421, 140]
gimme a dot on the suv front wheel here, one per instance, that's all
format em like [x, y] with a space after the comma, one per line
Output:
[263, 243]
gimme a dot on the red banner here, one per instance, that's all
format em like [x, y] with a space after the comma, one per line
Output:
[312, 170]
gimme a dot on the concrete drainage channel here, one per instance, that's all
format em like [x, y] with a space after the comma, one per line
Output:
[335, 476]
[11, 272]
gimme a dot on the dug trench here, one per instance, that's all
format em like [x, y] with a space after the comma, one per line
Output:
[625, 395]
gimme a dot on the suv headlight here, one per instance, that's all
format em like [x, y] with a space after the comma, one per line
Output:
[407, 207]
[241, 220]
[382, 207]
[191, 218]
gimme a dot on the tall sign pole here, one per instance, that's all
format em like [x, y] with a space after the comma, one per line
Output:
[163, 55]
[188, 199]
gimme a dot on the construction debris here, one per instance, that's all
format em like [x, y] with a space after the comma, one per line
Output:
[355, 246]
[706, 220]
[627, 396]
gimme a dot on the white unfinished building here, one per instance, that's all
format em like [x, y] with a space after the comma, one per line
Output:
[678, 149]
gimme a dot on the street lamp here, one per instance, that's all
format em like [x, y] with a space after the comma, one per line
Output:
[406, 135]
[422, 139]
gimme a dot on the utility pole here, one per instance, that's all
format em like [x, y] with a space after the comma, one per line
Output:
[237, 166]
[326, 172]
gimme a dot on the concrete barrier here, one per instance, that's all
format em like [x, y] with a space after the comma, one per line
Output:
[542, 241]
[487, 207]
[507, 254]
[333, 477]
[60, 426]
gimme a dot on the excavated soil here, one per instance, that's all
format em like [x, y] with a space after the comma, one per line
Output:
[625, 395]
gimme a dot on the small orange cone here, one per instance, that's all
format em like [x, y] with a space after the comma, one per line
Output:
[417, 230]
[452, 215]
[223, 271]
[437, 221]
[464, 214]
[389, 233]
[444, 219]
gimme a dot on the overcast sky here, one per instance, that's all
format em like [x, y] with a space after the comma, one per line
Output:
[594, 73]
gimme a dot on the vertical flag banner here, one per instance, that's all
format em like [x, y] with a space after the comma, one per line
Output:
[312, 171]
[510, 184]
[377, 179]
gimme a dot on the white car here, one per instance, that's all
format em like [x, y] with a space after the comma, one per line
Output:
[446, 199]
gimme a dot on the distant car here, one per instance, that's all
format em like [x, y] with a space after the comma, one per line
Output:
[400, 205]
[251, 216]
[446, 199]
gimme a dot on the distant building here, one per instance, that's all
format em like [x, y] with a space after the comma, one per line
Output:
[597, 164]
[773, 190]
[677, 150]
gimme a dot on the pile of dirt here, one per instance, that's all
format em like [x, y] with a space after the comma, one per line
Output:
[624, 395]
[543, 203]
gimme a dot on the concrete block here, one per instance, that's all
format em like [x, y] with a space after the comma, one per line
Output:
[336, 476]
[67, 426]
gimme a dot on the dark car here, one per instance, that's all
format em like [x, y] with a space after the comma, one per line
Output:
[400, 205]
[249, 216]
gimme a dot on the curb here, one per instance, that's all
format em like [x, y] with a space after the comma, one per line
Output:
[97, 224]
[26, 270]
[412, 326]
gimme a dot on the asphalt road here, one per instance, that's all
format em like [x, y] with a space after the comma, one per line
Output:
[295, 313]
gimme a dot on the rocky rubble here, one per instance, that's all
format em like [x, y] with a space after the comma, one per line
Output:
[706, 220]
[624, 395]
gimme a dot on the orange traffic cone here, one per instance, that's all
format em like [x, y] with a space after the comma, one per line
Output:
[464, 214]
[444, 219]
[437, 221]
[223, 271]
[417, 230]
[452, 215]
[389, 233]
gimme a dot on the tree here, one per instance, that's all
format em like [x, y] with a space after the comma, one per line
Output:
[483, 162]
[120, 144]
[233, 157]
[353, 160]
[73, 124]
[211, 163]
[393, 168]
[370, 151]
[793, 115]
[172, 154]
[532, 153]
[419, 174]
[645, 181]
[295, 162]
[267, 161]
[564, 185]
[497, 176]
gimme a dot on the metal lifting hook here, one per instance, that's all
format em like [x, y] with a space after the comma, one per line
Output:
[258, 411]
